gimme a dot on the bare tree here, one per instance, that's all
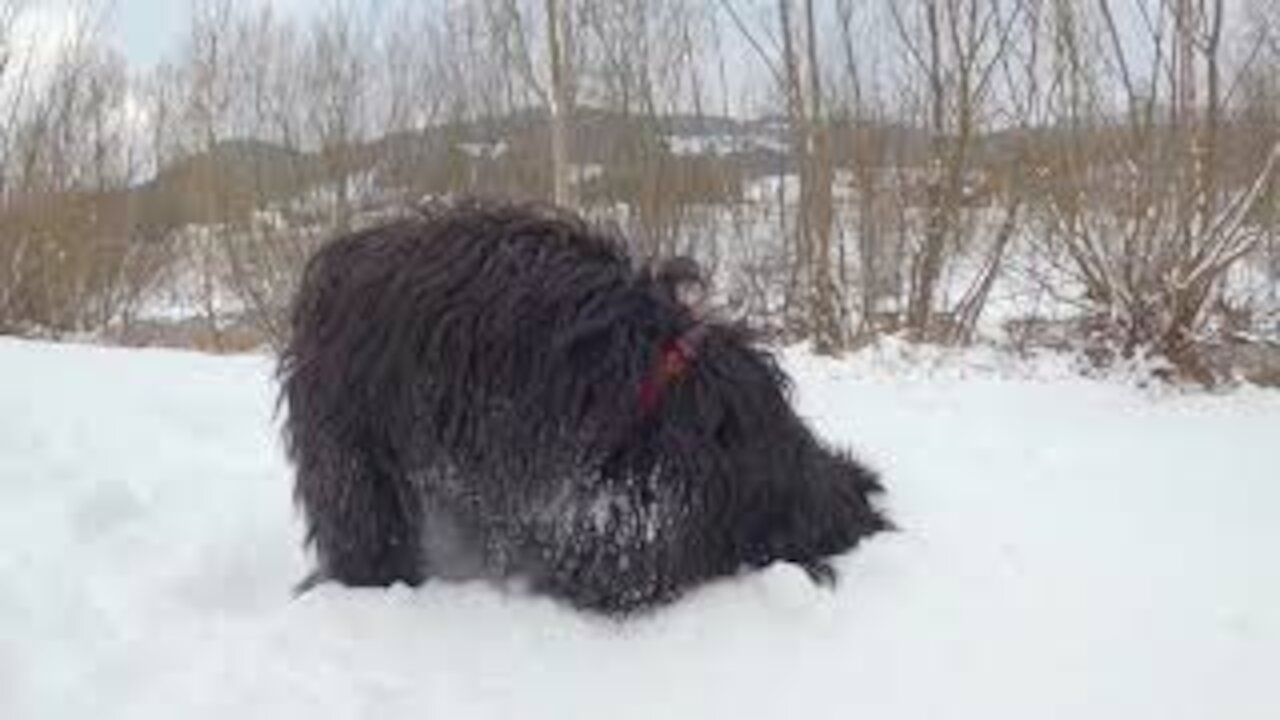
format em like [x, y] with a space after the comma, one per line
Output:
[64, 224]
[336, 74]
[811, 305]
[14, 84]
[512, 31]
[266, 251]
[419, 70]
[1258, 91]
[561, 108]
[956, 48]
[1137, 139]
[643, 56]
[829, 328]
[208, 112]
[1154, 226]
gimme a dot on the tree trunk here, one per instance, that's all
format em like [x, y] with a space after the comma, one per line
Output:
[561, 110]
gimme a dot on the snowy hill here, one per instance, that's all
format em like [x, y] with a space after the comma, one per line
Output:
[1071, 549]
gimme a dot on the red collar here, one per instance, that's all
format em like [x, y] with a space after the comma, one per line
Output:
[674, 358]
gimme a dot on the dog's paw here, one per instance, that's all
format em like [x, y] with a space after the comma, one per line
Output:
[790, 587]
[821, 573]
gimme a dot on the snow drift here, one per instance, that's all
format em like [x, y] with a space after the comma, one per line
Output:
[1070, 549]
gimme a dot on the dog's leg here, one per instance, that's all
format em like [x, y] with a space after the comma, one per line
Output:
[362, 531]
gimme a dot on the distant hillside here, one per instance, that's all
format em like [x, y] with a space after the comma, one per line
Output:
[705, 158]
[229, 182]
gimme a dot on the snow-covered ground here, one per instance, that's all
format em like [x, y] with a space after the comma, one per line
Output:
[1070, 549]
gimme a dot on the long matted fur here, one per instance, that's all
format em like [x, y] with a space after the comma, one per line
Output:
[495, 390]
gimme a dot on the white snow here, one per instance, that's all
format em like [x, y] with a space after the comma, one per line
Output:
[1070, 549]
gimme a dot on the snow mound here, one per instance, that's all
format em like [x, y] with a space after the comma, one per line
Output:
[1070, 549]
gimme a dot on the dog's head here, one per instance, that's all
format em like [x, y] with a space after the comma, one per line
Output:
[682, 280]
[781, 492]
[822, 509]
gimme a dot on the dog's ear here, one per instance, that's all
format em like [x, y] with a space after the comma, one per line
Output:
[683, 281]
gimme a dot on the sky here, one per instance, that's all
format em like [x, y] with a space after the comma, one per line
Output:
[144, 31]
[148, 30]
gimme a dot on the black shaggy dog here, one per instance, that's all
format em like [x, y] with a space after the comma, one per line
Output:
[494, 390]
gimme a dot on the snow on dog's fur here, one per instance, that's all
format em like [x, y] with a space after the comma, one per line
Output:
[496, 390]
